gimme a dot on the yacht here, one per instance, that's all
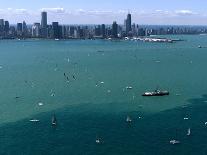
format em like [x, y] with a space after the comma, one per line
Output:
[157, 92]
[128, 87]
[34, 120]
[199, 46]
[174, 142]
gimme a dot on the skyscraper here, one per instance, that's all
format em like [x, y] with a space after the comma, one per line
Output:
[115, 30]
[1, 25]
[103, 30]
[24, 28]
[6, 26]
[19, 29]
[44, 33]
[55, 28]
[128, 24]
[44, 20]
[36, 30]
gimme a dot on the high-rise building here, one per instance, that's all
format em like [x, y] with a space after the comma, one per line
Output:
[55, 29]
[6, 26]
[115, 30]
[98, 30]
[1, 25]
[44, 32]
[128, 24]
[72, 30]
[19, 29]
[103, 30]
[24, 28]
[36, 30]
[44, 20]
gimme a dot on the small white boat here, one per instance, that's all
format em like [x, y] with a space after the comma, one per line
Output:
[129, 87]
[128, 120]
[102, 82]
[40, 104]
[34, 120]
[186, 118]
[157, 61]
[174, 142]
[98, 141]
[189, 132]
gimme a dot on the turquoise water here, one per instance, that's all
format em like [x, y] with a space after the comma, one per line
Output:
[94, 102]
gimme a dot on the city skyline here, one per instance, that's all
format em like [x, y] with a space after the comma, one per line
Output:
[147, 12]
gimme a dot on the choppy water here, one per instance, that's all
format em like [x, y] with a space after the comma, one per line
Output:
[95, 102]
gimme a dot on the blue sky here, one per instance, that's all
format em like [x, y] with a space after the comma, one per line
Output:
[191, 12]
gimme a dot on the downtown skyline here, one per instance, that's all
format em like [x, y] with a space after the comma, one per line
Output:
[65, 12]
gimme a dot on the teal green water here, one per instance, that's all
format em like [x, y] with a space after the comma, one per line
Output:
[86, 107]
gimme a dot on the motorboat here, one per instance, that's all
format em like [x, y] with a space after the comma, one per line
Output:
[156, 93]
[34, 120]
[174, 142]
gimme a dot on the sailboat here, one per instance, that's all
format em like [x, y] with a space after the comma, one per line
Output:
[54, 120]
[174, 141]
[98, 140]
[128, 120]
[189, 132]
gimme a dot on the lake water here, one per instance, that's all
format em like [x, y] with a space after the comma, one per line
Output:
[84, 83]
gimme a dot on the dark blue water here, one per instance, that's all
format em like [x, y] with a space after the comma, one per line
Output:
[78, 126]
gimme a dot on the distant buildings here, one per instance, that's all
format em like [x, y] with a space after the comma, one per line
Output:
[115, 30]
[128, 25]
[56, 31]
[36, 30]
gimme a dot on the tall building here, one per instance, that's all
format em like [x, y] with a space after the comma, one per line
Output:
[24, 28]
[36, 30]
[1, 25]
[6, 26]
[115, 30]
[55, 29]
[128, 23]
[72, 30]
[19, 29]
[44, 20]
[98, 30]
[103, 30]
[44, 32]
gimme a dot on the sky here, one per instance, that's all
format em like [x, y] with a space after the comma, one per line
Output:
[156, 12]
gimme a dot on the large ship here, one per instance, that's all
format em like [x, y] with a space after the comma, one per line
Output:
[157, 92]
